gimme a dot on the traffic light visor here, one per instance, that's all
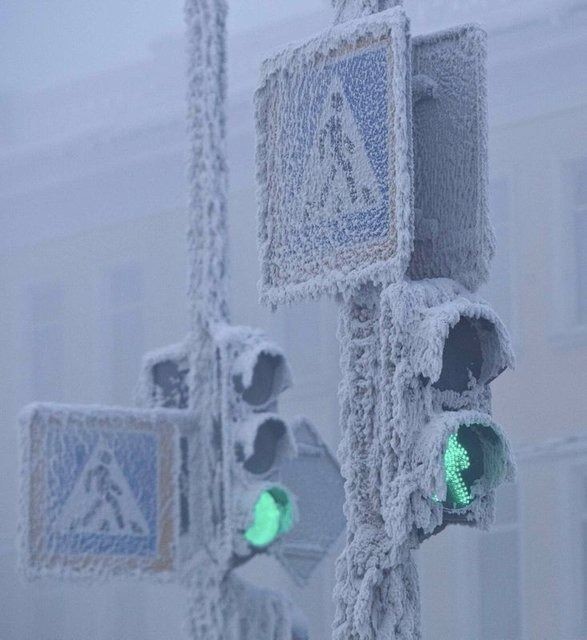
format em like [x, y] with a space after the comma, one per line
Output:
[460, 344]
[273, 516]
[263, 442]
[473, 352]
[462, 356]
[260, 375]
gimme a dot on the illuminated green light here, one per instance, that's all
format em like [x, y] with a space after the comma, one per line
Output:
[456, 460]
[272, 517]
[463, 464]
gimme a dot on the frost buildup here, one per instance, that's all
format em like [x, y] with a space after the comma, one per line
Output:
[333, 161]
[252, 502]
[372, 170]
[98, 493]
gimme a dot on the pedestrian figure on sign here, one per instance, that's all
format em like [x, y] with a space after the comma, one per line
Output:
[340, 176]
[107, 491]
[341, 147]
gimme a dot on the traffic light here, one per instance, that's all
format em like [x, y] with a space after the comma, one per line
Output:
[164, 378]
[252, 373]
[441, 348]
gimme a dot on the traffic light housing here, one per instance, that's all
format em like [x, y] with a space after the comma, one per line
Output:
[164, 378]
[441, 348]
[252, 373]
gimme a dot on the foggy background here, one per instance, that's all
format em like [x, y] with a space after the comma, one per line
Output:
[93, 264]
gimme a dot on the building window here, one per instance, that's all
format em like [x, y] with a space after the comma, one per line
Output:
[499, 571]
[578, 201]
[498, 290]
[125, 328]
[46, 341]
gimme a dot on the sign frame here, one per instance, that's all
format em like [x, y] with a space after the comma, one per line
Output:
[39, 556]
[301, 260]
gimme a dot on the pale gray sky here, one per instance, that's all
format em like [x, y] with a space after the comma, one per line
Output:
[47, 42]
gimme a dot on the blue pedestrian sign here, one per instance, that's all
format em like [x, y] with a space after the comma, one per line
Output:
[100, 490]
[334, 160]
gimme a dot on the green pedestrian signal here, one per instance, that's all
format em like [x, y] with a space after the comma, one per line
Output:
[273, 516]
[463, 466]
[456, 460]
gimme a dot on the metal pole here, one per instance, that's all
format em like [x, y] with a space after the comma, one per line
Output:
[207, 232]
[207, 238]
[377, 591]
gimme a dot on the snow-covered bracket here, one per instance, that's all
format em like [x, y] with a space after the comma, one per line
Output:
[100, 491]
[333, 160]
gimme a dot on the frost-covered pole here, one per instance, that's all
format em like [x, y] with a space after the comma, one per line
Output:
[357, 570]
[207, 238]
[221, 606]
[207, 235]
[376, 593]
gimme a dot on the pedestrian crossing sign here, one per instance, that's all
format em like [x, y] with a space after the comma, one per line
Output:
[334, 161]
[99, 490]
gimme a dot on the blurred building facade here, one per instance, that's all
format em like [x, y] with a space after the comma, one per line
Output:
[93, 260]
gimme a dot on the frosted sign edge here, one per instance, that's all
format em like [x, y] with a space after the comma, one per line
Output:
[394, 25]
[35, 562]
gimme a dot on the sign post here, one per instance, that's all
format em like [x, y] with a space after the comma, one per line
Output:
[372, 163]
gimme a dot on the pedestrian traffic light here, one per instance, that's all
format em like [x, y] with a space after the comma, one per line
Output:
[253, 372]
[442, 346]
